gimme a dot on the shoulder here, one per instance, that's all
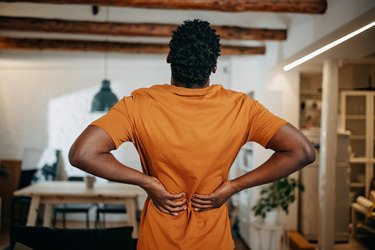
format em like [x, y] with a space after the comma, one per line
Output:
[149, 91]
[237, 96]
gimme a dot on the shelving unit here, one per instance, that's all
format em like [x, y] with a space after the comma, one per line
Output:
[358, 116]
[310, 94]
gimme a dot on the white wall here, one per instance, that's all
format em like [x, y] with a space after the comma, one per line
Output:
[46, 97]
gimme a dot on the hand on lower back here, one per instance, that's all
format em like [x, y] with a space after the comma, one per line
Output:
[202, 202]
[165, 201]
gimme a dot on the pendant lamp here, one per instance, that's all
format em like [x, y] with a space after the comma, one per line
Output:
[105, 98]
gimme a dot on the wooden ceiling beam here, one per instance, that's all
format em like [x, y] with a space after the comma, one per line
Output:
[129, 29]
[291, 6]
[100, 46]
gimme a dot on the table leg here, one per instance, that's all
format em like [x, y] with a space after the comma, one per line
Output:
[47, 215]
[33, 211]
[131, 207]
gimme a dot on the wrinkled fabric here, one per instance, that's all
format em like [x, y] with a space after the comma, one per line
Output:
[188, 139]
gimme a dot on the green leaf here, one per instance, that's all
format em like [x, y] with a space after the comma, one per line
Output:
[278, 194]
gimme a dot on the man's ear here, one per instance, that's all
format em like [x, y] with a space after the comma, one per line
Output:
[168, 60]
[214, 69]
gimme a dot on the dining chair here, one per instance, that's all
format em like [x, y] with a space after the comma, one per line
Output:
[20, 204]
[103, 209]
[9, 179]
[64, 209]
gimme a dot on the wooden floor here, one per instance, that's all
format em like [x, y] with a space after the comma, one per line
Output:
[364, 242]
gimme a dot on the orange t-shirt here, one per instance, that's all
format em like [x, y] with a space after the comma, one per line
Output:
[188, 139]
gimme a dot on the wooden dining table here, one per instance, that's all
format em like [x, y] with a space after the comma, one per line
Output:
[64, 192]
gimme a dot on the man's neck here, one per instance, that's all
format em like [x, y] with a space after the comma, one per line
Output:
[189, 85]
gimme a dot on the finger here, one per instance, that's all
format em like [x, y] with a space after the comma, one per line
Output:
[174, 210]
[169, 210]
[176, 203]
[203, 196]
[197, 206]
[163, 209]
[176, 196]
[203, 202]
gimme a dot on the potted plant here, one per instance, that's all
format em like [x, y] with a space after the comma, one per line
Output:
[275, 196]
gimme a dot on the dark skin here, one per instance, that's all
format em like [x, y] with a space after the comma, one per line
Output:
[91, 152]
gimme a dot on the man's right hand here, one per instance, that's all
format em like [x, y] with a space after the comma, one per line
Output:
[165, 201]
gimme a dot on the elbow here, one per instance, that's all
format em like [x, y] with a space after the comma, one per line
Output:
[73, 157]
[308, 154]
[76, 157]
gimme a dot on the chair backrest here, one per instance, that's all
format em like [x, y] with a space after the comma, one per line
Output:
[26, 177]
[8, 184]
[41, 238]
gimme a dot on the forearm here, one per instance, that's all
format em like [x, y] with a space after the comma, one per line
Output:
[279, 165]
[91, 152]
[293, 151]
[106, 166]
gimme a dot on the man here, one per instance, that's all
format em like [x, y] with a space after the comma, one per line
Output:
[187, 135]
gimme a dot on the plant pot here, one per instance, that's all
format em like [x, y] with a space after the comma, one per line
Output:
[272, 217]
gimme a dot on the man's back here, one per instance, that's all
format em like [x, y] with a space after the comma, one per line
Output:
[188, 139]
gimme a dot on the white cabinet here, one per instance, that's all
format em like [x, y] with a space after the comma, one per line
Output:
[358, 116]
[309, 204]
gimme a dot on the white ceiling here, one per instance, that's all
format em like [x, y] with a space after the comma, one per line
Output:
[359, 47]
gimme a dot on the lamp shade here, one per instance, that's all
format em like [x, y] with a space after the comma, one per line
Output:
[104, 99]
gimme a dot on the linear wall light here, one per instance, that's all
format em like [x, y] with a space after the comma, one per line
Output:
[327, 47]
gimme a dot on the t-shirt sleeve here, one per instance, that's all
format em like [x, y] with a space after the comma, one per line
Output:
[263, 124]
[118, 122]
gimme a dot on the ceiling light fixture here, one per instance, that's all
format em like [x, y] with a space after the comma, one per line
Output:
[105, 98]
[327, 47]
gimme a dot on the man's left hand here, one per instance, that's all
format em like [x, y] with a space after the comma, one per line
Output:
[202, 202]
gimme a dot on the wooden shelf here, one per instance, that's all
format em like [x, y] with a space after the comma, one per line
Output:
[357, 185]
[357, 137]
[355, 117]
[310, 93]
[358, 160]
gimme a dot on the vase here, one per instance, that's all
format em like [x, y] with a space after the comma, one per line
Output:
[272, 217]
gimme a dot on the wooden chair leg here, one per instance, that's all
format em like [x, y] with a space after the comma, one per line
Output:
[97, 220]
[64, 220]
[54, 219]
[87, 220]
[103, 220]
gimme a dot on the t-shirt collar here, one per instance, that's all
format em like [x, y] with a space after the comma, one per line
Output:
[191, 91]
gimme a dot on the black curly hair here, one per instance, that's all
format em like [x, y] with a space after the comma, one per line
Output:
[194, 49]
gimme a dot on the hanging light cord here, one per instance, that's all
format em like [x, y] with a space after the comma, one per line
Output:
[106, 47]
